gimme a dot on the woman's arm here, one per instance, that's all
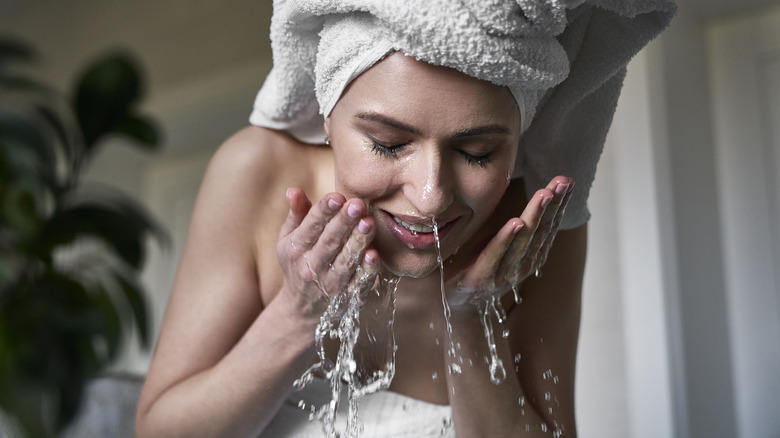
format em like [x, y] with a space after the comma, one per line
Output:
[536, 398]
[223, 364]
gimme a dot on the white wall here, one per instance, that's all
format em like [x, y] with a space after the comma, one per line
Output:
[745, 61]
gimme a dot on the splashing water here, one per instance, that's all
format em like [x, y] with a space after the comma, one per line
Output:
[492, 306]
[351, 368]
[497, 370]
[454, 367]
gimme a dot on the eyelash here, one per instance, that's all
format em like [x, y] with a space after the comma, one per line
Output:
[386, 151]
[392, 151]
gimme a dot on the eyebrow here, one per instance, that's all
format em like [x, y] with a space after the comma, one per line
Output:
[389, 122]
[483, 130]
[468, 132]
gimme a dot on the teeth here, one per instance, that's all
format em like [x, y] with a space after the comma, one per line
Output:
[418, 228]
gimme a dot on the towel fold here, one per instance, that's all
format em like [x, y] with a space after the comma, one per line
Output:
[563, 61]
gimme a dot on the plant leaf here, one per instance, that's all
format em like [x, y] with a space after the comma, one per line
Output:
[12, 49]
[105, 95]
[26, 149]
[25, 84]
[120, 227]
[141, 129]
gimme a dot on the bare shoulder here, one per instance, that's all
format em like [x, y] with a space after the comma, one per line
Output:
[228, 270]
[258, 158]
[251, 171]
[248, 177]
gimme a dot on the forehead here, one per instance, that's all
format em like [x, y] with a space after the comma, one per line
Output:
[418, 92]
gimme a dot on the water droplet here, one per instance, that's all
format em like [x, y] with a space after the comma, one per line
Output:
[547, 375]
[340, 321]
[435, 376]
[517, 357]
[430, 326]
[505, 334]
[547, 396]
[537, 273]
[301, 404]
[544, 427]
[521, 401]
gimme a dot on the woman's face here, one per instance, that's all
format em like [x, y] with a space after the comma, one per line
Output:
[421, 143]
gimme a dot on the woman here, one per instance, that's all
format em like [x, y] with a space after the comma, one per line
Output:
[408, 146]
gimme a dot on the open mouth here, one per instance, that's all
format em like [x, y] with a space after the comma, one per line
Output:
[415, 232]
[417, 228]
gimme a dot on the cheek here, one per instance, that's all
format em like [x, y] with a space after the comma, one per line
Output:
[359, 174]
[482, 189]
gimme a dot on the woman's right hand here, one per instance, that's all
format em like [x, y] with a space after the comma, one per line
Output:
[320, 248]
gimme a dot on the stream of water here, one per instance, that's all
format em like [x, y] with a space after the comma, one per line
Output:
[356, 368]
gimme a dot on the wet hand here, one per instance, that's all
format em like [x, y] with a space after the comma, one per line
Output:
[518, 250]
[323, 250]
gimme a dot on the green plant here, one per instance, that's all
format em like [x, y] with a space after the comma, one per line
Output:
[70, 254]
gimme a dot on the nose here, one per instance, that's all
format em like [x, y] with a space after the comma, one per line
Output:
[429, 183]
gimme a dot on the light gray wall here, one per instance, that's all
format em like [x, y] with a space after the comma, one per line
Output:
[707, 410]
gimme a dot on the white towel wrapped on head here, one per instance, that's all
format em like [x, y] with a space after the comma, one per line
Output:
[529, 46]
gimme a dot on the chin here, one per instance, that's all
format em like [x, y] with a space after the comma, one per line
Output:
[414, 267]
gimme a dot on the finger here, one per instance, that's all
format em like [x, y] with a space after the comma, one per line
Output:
[352, 253]
[560, 187]
[531, 218]
[548, 226]
[547, 244]
[364, 278]
[306, 235]
[299, 206]
[338, 230]
[481, 275]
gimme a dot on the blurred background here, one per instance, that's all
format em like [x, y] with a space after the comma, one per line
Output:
[681, 319]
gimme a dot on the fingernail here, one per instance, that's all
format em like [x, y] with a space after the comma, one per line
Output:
[288, 193]
[562, 189]
[364, 226]
[517, 228]
[546, 201]
[333, 204]
[369, 259]
[354, 211]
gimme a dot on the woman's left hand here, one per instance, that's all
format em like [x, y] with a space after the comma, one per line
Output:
[518, 250]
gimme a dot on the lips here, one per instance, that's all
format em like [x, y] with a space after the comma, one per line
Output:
[414, 232]
[414, 227]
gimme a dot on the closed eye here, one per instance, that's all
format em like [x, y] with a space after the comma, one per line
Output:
[474, 160]
[385, 150]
